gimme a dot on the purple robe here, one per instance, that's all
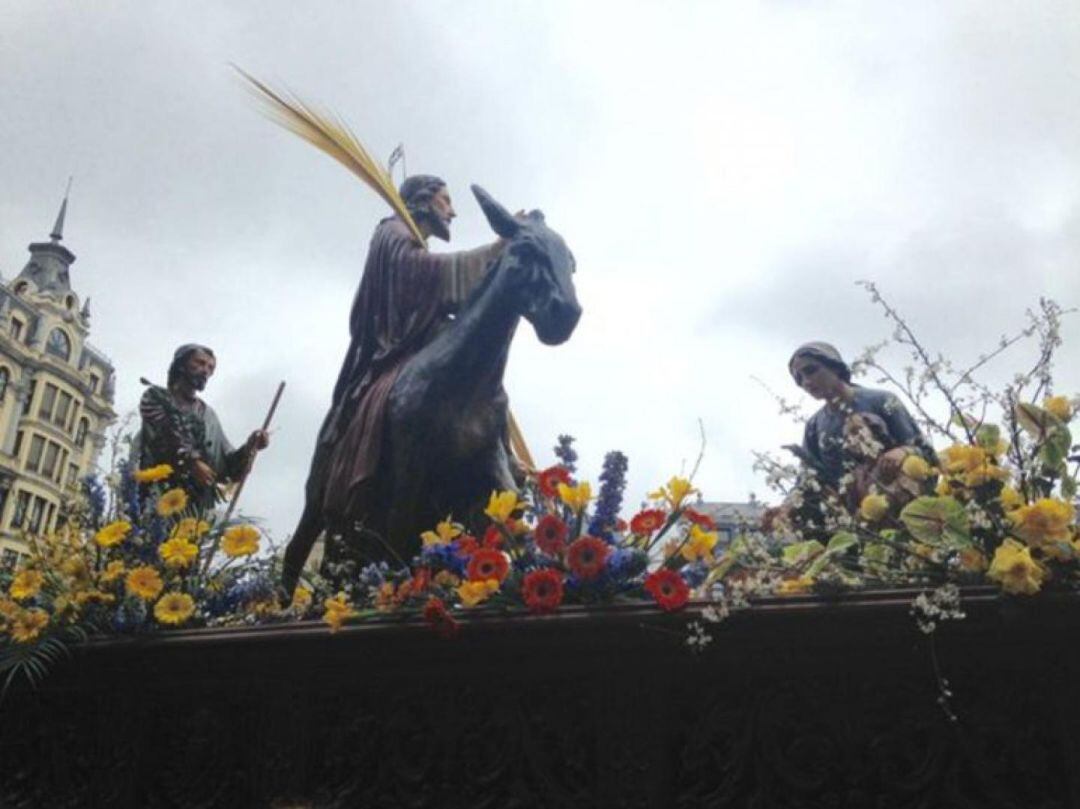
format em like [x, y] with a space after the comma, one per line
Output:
[403, 298]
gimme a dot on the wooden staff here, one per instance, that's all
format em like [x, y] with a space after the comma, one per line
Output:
[251, 457]
[247, 471]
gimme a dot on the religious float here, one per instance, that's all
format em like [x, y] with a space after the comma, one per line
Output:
[895, 637]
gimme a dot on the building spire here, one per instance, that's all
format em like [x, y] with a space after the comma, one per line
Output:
[58, 229]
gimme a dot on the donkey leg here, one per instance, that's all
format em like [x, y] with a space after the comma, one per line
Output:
[299, 547]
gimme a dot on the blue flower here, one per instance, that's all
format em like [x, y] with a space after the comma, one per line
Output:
[443, 557]
[612, 485]
[694, 574]
[626, 563]
[564, 451]
[94, 491]
[374, 574]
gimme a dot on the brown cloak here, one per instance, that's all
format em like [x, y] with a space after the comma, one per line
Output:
[404, 295]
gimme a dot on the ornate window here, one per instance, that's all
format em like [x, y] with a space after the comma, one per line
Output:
[80, 434]
[59, 344]
[5, 377]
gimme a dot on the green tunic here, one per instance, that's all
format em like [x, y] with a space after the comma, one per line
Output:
[179, 435]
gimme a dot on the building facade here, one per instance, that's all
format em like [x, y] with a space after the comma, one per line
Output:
[56, 394]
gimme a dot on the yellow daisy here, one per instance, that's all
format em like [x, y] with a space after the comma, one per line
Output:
[144, 582]
[190, 528]
[26, 584]
[178, 552]
[27, 625]
[240, 540]
[174, 608]
[172, 502]
[113, 534]
[154, 473]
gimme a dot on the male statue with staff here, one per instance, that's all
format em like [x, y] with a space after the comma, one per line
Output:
[181, 430]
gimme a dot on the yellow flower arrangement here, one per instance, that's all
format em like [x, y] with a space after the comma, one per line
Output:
[699, 545]
[337, 611]
[794, 587]
[443, 534]
[190, 528]
[83, 597]
[916, 467]
[178, 553]
[1046, 520]
[112, 534]
[874, 507]
[174, 608]
[26, 584]
[576, 497]
[144, 582]
[301, 599]
[26, 625]
[153, 474]
[501, 505]
[1014, 568]
[1010, 498]
[172, 502]
[113, 571]
[674, 492]
[972, 465]
[1059, 406]
[472, 593]
[240, 540]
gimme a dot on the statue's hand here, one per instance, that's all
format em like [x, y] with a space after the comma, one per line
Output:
[203, 473]
[889, 464]
[259, 439]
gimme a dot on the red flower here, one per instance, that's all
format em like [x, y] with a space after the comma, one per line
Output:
[487, 563]
[439, 619]
[668, 588]
[698, 518]
[549, 480]
[586, 557]
[420, 581]
[550, 535]
[645, 522]
[542, 590]
[466, 545]
[493, 536]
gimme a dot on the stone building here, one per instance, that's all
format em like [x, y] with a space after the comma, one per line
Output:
[56, 393]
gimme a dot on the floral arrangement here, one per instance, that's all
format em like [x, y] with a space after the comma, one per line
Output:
[551, 544]
[133, 559]
[995, 504]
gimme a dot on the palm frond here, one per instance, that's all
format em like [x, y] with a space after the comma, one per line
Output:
[330, 134]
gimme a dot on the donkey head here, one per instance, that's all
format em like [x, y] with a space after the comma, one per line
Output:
[542, 268]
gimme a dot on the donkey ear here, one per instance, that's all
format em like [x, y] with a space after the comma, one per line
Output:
[497, 216]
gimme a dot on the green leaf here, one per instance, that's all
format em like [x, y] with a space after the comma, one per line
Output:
[1035, 421]
[838, 545]
[840, 542]
[800, 552]
[1055, 446]
[876, 553]
[988, 436]
[1068, 487]
[937, 521]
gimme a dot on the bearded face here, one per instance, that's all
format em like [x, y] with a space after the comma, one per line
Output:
[438, 214]
[198, 369]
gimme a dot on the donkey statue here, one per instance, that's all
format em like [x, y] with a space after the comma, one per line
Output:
[444, 439]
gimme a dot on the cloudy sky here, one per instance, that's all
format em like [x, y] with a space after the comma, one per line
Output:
[724, 173]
